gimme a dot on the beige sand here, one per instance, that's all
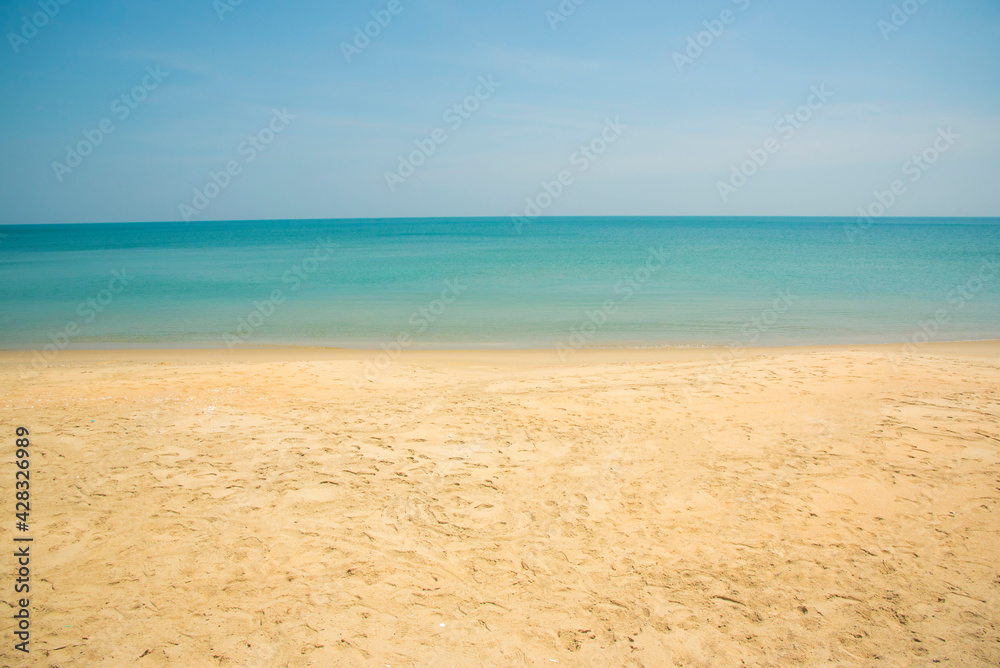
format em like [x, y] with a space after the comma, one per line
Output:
[808, 507]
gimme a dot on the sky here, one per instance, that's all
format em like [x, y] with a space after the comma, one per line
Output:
[132, 110]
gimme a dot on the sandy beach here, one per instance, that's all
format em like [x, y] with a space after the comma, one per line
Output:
[802, 506]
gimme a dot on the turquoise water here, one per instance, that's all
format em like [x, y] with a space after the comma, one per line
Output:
[568, 282]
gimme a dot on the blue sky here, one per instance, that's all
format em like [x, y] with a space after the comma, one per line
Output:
[891, 94]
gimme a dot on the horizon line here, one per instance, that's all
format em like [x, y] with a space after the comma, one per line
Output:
[880, 219]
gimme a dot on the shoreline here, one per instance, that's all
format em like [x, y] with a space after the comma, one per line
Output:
[988, 348]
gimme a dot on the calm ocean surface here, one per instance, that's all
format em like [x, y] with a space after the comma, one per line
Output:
[479, 282]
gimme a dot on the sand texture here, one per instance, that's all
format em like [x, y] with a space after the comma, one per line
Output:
[804, 507]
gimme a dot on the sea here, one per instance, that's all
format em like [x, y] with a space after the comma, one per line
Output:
[564, 283]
